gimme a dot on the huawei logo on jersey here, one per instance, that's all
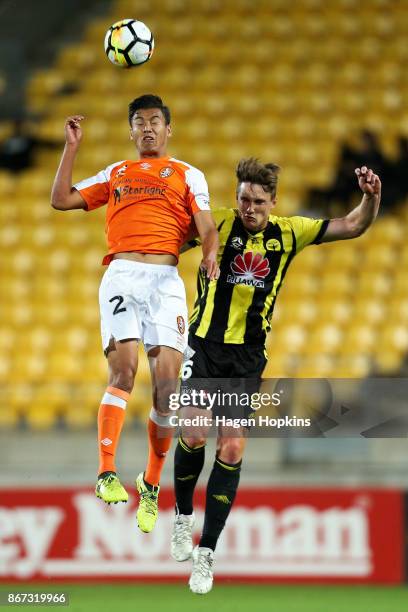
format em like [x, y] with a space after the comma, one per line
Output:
[250, 265]
[249, 269]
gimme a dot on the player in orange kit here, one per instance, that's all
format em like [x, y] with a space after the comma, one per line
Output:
[150, 206]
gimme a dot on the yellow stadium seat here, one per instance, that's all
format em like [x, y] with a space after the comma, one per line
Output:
[315, 366]
[293, 311]
[373, 283]
[398, 311]
[27, 368]
[9, 418]
[19, 395]
[359, 337]
[388, 362]
[7, 184]
[94, 369]
[334, 309]
[40, 416]
[379, 258]
[394, 336]
[368, 309]
[296, 285]
[55, 394]
[279, 366]
[81, 57]
[325, 337]
[46, 82]
[290, 337]
[140, 401]
[143, 370]
[77, 417]
[5, 369]
[309, 259]
[7, 336]
[353, 366]
[337, 284]
[64, 366]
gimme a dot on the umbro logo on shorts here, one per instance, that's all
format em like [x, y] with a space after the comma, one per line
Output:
[106, 441]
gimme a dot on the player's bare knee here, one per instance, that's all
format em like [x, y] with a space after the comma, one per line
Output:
[123, 380]
[194, 442]
[163, 411]
[230, 450]
[161, 400]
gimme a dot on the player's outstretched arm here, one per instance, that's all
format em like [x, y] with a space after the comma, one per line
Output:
[360, 218]
[63, 196]
[209, 238]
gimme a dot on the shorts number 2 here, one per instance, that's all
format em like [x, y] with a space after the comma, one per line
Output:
[117, 308]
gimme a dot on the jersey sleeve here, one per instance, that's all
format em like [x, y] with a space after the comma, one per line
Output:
[95, 189]
[308, 231]
[197, 194]
[219, 215]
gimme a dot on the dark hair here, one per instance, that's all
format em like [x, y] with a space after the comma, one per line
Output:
[251, 170]
[148, 101]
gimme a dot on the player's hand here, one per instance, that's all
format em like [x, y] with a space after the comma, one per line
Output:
[368, 182]
[209, 264]
[73, 132]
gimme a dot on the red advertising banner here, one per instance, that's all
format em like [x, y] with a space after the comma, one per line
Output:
[276, 535]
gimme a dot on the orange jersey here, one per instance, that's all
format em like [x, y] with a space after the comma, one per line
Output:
[150, 203]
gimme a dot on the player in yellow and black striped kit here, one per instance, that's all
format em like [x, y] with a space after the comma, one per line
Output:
[228, 328]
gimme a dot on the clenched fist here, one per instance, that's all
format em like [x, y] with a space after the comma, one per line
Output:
[368, 182]
[73, 132]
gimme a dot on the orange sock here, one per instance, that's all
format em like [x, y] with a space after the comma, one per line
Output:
[160, 438]
[111, 417]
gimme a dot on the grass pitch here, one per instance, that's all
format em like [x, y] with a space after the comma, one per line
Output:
[223, 598]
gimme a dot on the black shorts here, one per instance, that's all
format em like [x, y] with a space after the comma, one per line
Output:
[231, 372]
[217, 360]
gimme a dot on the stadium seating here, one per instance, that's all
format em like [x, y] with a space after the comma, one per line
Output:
[286, 82]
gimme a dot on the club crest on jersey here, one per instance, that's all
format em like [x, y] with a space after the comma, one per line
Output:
[145, 166]
[237, 243]
[121, 171]
[273, 245]
[181, 325]
[249, 269]
[166, 172]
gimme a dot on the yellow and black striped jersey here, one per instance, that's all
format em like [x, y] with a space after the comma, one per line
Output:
[237, 308]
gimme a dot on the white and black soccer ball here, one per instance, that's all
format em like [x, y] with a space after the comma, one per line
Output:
[129, 43]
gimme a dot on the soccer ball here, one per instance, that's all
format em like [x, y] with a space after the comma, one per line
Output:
[129, 43]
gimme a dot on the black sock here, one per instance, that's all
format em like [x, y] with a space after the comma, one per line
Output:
[221, 490]
[188, 463]
[103, 474]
